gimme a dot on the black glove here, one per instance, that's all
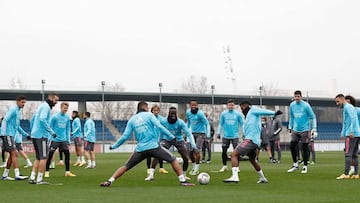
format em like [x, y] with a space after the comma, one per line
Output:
[278, 112]
[218, 136]
[110, 147]
[54, 135]
[28, 137]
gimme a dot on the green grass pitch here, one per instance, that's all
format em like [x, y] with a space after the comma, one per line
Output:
[319, 185]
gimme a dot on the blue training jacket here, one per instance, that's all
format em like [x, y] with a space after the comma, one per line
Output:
[41, 123]
[230, 121]
[10, 125]
[198, 123]
[252, 123]
[350, 122]
[89, 130]
[176, 129]
[143, 125]
[76, 128]
[300, 115]
[60, 123]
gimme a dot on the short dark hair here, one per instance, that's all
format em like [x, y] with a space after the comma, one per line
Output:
[351, 99]
[298, 92]
[87, 114]
[230, 101]
[340, 96]
[245, 102]
[141, 105]
[172, 108]
[20, 97]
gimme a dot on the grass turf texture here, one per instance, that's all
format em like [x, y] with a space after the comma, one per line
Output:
[319, 185]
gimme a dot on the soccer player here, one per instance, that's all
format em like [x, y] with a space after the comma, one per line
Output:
[9, 128]
[60, 123]
[351, 132]
[176, 126]
[230, 122]
[3, 152]
[208, 142]
[90, 139]
[78, 139]
[351, 100]
[301, 129]
[40, 133]
[252, 130]
[156, 111]
[200, 128]
[143, 125]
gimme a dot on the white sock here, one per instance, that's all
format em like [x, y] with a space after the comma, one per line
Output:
[83, 159]
[17, 172]
[111, 179]
[352, 168]
[296, 164]
[39, 177]
[152, 171]
[6, 172]
[182, 178]
[197, 166]
[89, 162]
[28, 162]
[261, 174]
[78, 159]
[93, 163]
[235, 174]
[32, 175]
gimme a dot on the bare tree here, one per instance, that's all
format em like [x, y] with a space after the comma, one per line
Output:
[194, 85]
[115, 110]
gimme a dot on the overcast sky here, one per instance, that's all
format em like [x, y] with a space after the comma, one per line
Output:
[311, 45]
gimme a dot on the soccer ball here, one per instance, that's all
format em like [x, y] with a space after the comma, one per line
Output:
[180, 160]
[203, 178]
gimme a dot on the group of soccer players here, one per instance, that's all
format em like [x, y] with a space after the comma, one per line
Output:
[48, 133]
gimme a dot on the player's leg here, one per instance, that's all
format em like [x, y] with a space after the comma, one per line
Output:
[48, 162]
[61, 161]
[225, 146]
[35, 168]
[208, 148]
[272, 150]
[278, 149]
[148, 164]
[240, 150]
[252, 155]
[294, 149]
[24, 155]
[44, 151]
[183, 151]
[134, 159]
[355, 159]
[165, 154]
[305, 139]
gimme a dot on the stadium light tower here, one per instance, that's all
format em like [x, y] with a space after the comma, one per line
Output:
[160, 99]
[43, 90]
[103, 110]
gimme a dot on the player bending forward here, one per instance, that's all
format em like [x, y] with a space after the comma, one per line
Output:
[143, 125]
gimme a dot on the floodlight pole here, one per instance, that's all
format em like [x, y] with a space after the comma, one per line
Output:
[43, 90]
[103, 113]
